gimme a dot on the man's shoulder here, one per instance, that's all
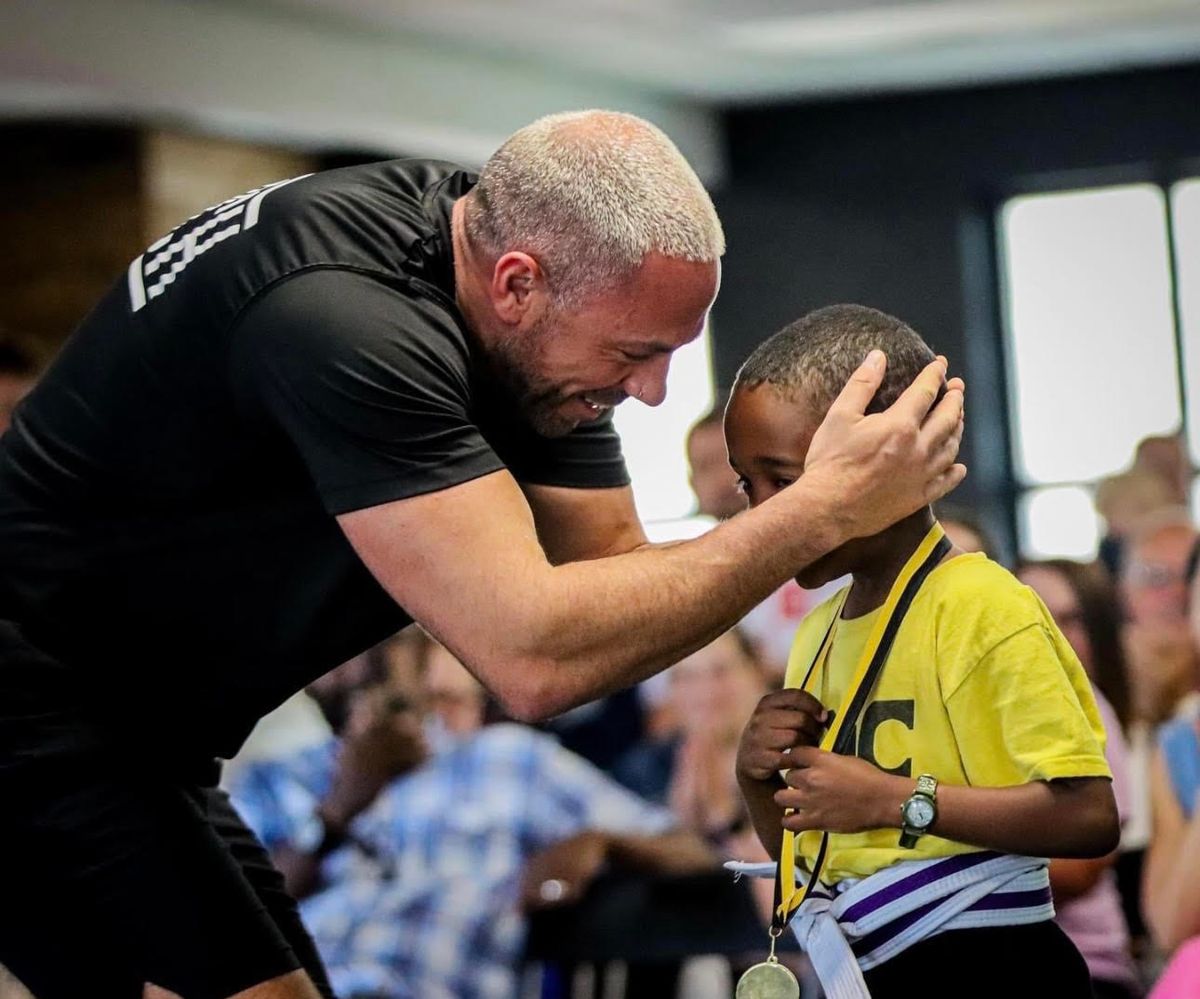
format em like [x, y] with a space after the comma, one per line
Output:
[392, 184]
[413, 176]
[391, 219]
[395, 334]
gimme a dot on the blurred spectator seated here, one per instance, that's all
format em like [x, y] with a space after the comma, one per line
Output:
[1124, 501]
[1161, 657]
[711, 694]
[713, 481]
[1154, 590]
[601, 730]
[690, 767]
[1172, 874]
[415, 840]
[1159, 647]
[1167, 458]
[1171, 886]
[1083, 602]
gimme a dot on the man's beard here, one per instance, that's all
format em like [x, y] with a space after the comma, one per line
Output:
[513, 361]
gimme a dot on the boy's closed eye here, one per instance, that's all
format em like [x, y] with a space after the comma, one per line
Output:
[744, 485]
[759, 488]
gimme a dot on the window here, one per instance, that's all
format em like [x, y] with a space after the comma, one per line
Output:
[1185, 219]
[1093, 353]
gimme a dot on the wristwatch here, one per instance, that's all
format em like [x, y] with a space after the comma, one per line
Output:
[919, 812]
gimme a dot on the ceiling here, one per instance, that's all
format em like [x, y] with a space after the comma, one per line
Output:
[452, 78]
[752, 50]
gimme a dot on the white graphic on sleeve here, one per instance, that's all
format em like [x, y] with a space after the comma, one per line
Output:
[156, 269]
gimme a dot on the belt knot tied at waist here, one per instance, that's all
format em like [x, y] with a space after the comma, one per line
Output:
[859, 924]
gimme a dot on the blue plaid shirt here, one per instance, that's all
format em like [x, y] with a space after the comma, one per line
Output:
[423, 901]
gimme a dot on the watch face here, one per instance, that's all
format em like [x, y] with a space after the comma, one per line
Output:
[919, 812]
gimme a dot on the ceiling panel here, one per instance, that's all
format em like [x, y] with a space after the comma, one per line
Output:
[714, 50]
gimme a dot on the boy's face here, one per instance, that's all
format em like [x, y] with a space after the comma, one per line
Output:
[768, 435]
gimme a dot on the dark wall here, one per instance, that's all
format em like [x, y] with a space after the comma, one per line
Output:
[890, 202]
[70, 222]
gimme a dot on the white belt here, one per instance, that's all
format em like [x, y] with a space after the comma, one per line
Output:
[860, 923]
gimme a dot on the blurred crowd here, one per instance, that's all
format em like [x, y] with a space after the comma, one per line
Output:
[421, 829]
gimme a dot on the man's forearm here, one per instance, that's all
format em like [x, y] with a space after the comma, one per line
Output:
[585, 629]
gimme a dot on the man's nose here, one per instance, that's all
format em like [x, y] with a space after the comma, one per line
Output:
[648, 382]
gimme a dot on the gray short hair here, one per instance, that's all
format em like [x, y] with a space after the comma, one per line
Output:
[589, 194]
[816, 355]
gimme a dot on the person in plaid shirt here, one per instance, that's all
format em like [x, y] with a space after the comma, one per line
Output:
[413, 870]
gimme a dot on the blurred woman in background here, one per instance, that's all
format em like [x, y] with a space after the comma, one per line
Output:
[1171, 890]
[1083, 602]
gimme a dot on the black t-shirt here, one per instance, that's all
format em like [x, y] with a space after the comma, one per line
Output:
[168, 491]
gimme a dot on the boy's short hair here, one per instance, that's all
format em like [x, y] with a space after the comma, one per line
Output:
[816, 355]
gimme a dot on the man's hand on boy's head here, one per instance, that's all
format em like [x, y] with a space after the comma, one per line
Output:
[885, 466]
[835, 793]
[782, 721]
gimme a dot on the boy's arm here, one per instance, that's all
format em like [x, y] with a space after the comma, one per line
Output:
[1070, 817]
[765, 814]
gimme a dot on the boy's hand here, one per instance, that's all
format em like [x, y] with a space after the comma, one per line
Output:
[844, 794]
[782, 720]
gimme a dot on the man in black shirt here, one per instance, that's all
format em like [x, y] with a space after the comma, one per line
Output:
[313, 413]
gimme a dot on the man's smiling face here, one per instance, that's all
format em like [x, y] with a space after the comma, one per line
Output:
[573, 366]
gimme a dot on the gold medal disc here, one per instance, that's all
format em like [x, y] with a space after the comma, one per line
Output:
[769, 980]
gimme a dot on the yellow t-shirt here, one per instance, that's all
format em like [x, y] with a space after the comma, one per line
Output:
[980, 689]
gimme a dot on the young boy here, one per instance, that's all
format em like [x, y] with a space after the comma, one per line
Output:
[930, 882]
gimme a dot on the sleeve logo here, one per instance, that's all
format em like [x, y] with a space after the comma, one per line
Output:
[154, 271]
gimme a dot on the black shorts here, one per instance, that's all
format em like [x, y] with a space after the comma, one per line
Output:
[1036, 961]
[120, 865]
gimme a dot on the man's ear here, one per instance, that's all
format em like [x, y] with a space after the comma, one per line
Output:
[518, 290]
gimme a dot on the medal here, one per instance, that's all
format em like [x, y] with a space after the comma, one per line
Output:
[768, 980]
